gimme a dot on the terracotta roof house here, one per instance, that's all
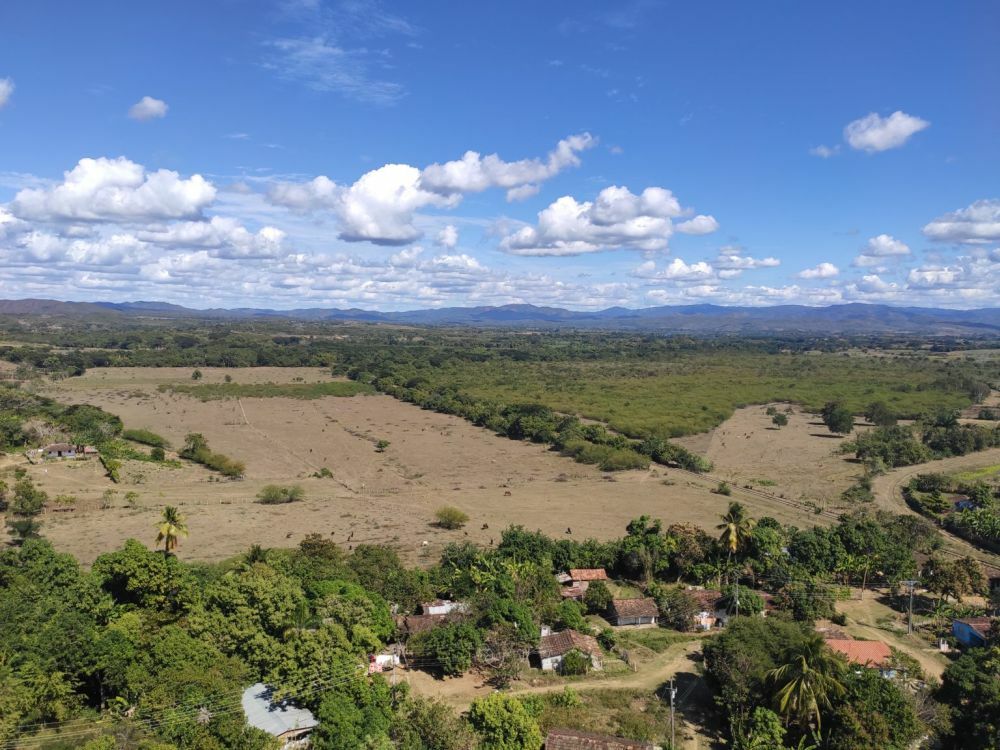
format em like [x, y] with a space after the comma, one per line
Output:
[570, 739]
[553, 647]
[972, 631]
[588, 574]
[633, 612]
[871, 654]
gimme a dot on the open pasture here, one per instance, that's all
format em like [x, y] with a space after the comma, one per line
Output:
[432, 460]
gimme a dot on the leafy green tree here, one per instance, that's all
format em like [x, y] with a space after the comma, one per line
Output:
[765, 732]
[879, 414]
[837, 417]
[970, 687]
[677, 607]
[645, 550]
[136, 575]
[354, 713]
[597, 598]
[874, 712]
[170, 528]
[450, 648]
[779, 420]
[569, 615]
[429, 724]
[809, 681]
[503, 723]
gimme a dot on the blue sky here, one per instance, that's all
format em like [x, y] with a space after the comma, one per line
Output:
[316, 153]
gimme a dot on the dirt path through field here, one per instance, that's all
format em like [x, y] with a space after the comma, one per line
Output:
[888, 490]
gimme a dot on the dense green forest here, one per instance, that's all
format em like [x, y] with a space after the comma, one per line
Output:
[147, 646]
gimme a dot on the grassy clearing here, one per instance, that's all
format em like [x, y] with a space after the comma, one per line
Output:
[657, 640]
[983, 474]
[218, 391]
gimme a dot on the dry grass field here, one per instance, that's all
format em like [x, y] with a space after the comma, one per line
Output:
[432, 460]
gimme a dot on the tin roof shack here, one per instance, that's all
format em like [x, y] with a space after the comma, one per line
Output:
[290, 724]
[972, 631]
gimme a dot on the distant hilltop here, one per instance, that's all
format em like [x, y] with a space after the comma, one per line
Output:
[854, 318]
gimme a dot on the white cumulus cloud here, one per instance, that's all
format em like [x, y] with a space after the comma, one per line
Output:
[700, 224]
[873, 133]
[617, 218]
[474, 173]
[116, 190]
[447, 237]
[822, 271]
[880, 248]
[224, 237]
[6, 91]
[148, 108]
[979, 222]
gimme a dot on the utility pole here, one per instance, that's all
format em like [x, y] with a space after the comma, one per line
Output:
[673, 733]
[909, 619]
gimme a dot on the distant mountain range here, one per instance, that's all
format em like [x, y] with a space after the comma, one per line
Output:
[694, 319]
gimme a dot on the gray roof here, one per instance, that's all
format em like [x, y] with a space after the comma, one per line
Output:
[273, 718]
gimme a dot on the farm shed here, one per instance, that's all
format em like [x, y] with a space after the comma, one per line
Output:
[634, 612]
[290, 724]
[554, 646]
[570, 739]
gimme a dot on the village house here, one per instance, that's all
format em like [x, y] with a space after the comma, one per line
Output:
[553, 647]
[386, 660]
[68, 450]
[972, 631]
[633, 612]
[869, 654]
[710, 613]
[570, 739]
[290, 724]
[412, 624]
[577, 580]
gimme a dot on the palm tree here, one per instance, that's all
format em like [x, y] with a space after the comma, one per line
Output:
[807, 682]
[735, 527]
[170, 527]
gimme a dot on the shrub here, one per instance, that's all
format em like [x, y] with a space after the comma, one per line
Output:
[575, 662]
[146, 437]
[723, 489]
[381, 445]
[779, 420]
[158, 454]
[196, 375]
[274, 494]
[837, 417]
[450, 517]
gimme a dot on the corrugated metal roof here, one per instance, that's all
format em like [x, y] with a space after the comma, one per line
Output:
[273, 718]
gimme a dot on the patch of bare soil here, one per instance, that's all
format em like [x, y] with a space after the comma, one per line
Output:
[390, 497]
[799, 461]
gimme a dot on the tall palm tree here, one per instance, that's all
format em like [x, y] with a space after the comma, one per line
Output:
[170, 528]
[806, 684]
[735, 527]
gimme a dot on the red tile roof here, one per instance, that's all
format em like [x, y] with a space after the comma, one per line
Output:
[706, 598]
[569, 739]
[588, 574]
[411, 624]
[865, 653]
[634, 607]
[564, 641]
[575, 591]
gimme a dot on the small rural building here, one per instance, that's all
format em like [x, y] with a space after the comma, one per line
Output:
[870, 654]
[710, 613]
[443, 607]
[56, 451]
[290, 724]
[554, 646]
[634, 612]
[384, 661]
[576, 575]
[972, 631]
[571, 739]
